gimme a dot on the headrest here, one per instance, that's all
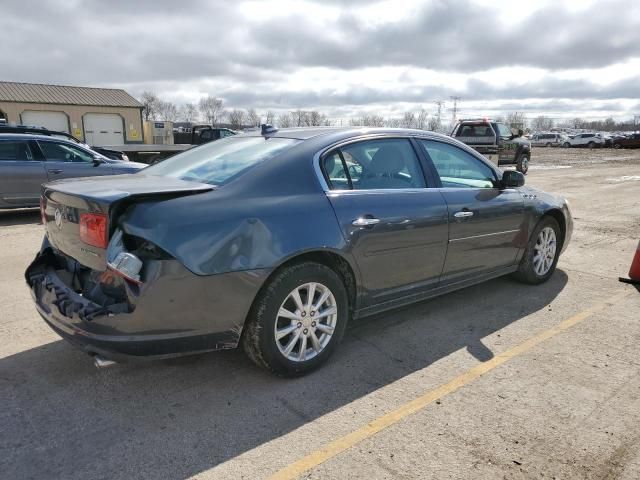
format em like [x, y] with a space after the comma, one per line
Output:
[387, 160]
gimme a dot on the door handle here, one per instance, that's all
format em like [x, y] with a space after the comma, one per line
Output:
[55, 170]
[463, 214]
[365, 222]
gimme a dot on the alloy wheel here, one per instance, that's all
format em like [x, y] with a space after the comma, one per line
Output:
[544, 251]
[305, 322]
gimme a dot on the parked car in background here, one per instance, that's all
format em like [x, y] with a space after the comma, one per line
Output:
[548, 139]
[27, 161]
[109, 153]
[273, 240]
[631, 140]
[202, 133]
[495, 141]
[588, 140]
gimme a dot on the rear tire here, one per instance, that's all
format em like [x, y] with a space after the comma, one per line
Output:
[522, 163]
[591, 144]
[541, 255]
[295, 344]
[566, 145]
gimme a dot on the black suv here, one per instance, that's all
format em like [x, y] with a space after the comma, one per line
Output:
[496, 141]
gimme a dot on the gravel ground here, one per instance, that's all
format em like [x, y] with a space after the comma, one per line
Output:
[567, 408]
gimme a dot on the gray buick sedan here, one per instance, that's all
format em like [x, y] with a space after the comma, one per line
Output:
[275, 239]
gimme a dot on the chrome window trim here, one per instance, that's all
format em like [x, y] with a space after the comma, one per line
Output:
[451, 240]
[373, 191]
[372, 136]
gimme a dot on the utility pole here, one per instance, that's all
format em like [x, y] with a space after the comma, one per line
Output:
[454, 110]
[440, 104]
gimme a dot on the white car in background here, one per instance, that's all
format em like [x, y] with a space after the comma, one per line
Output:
[589, 140]
[548, 139]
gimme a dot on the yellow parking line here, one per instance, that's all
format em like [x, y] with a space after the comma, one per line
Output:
[349, 440]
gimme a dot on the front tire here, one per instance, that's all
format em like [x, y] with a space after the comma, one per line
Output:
[541, 255]
[522, 164]
[297, 319]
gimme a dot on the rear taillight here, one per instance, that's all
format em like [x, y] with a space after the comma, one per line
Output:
[93, 229]
[43, 214]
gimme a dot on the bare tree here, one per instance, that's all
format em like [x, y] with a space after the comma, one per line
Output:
[167, 111]
[393, 122]
[270, 117]
[542, 123]
[408, 120]
[189, 112]
[298, 118]
[285, 120]
[316, 119]
[433, 124]
[367, 121]
[516, 120]
[211, 109]
[150, 103]
[236, 118]
[376, 121]
[421, 119]
[253, 118]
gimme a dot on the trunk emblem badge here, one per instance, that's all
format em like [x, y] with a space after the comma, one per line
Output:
[58, 218]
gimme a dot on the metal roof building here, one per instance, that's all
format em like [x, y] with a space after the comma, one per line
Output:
[99, 116]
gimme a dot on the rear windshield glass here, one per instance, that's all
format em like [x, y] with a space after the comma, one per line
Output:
[481, 130]
[217, 162]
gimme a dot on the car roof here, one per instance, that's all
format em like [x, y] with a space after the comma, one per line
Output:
[306, 133]
[33, 136]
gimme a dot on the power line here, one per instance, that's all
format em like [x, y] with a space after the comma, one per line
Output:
[440, 104]
[454, 110]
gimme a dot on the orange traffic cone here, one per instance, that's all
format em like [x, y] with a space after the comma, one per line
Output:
[634, 271]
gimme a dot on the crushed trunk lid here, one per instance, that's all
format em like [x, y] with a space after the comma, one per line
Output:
[65, 202]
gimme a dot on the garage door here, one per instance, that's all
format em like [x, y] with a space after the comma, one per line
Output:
[52, 120]
[103, 129]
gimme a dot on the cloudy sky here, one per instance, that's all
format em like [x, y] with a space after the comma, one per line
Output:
[345, 58]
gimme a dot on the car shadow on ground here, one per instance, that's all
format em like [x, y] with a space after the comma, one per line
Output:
[62, 418]
[23, 216]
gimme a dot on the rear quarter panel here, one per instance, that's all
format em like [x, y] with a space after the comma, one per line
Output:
[260, 220]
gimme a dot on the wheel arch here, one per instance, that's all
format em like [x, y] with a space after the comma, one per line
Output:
[558, 216]
[329, 258]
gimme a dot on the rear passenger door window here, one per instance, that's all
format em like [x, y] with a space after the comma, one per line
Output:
[381, 164]
[15, 150]
[64, 153]
[457, 168]
[21, 174]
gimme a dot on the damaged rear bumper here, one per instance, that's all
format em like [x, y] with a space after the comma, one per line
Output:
[174, 313]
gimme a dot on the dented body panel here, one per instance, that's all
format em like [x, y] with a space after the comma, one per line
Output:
[173, 313]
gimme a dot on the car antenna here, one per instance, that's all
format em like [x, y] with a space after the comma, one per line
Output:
[267, 129]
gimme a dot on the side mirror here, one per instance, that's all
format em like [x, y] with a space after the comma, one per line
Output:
[512, 179]
[97, 161]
